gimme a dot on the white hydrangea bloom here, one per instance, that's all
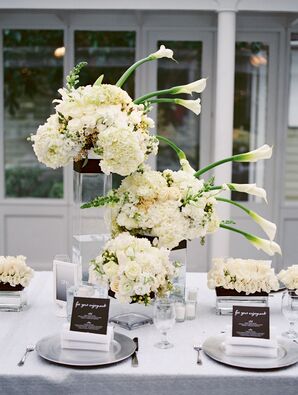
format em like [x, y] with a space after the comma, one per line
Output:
[51, 147]
[171, 206]
[135, 270]
[102, 118]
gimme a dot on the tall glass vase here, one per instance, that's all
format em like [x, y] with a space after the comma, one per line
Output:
[90, 230]
[179, 255]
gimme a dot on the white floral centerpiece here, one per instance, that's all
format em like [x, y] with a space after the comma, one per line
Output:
[104, 119]
[170, 206]
[14, 271]
[134, 269]
[175, 206]
[289, 278]
[247, 276]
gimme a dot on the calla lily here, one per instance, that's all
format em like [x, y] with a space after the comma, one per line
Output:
[196, 86]
[268, 246]
[251, 189]
[268, 227]
[185, 166]
[193, 105]
[264, 152]
[163, 52]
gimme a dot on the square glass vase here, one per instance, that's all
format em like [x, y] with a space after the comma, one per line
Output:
[90, 229]
[12, 298]
[227, 298]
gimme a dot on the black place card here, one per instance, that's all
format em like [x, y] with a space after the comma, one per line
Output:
[90, 315]
[251, 321]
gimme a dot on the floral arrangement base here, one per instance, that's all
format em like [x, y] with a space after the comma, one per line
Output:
[227, 298]
[12, 299]
[6, 287]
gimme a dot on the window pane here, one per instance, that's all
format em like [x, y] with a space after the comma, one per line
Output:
[173, 121]
[291, 175]
[108, 53]
[32, 76]
[250, 101]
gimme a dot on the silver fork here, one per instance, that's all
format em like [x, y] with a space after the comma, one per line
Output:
[29, 348]
[198, 349]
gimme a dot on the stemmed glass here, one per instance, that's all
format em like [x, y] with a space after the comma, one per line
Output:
[290, 311]
[164, 319]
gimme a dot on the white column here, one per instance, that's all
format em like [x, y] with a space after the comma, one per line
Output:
[224, 106]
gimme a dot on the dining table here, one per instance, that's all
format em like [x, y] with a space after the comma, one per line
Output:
[160, 371]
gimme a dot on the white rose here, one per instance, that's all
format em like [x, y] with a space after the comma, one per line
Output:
[111, 269]
[132, 270]
[126, 287]
[115, 285]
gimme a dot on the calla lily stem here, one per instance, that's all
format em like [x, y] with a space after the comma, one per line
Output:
[141, 99]
[245, 234]
[214, 164]
[131, 69]
[234, 203]
[179, 152]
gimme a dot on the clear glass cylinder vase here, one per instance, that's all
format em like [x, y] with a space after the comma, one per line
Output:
[91, 228]
[179, 255]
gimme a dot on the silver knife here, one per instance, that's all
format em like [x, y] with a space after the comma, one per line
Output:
[134, 357]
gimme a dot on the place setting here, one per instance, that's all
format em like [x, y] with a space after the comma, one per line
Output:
[251, 343]
[88, 340]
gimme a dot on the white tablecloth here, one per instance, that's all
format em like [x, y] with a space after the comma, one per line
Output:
[160, 372]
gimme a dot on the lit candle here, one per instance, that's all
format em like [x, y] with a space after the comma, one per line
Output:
[190, 310]
[180, 311]
[84, 291]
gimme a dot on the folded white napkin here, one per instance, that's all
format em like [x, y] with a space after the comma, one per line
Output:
[251, 341]
[77, 345]
[67, 334]
[251, 347]
[250, 351]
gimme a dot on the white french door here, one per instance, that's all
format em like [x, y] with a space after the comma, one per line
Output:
[256, 123]
[193, 49]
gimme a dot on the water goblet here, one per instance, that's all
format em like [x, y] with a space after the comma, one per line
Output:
[164, 319]
[290, 311]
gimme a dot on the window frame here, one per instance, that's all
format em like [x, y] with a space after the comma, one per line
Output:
[206, 36]
[16, 22]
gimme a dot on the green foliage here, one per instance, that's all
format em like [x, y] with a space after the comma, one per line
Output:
[33, 182]
[102, 201]
[26, 80]
[228, 222]
[73, 77]
[209, 184]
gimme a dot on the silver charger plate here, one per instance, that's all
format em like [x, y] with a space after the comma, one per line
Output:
[50, 349]
[287, 355]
